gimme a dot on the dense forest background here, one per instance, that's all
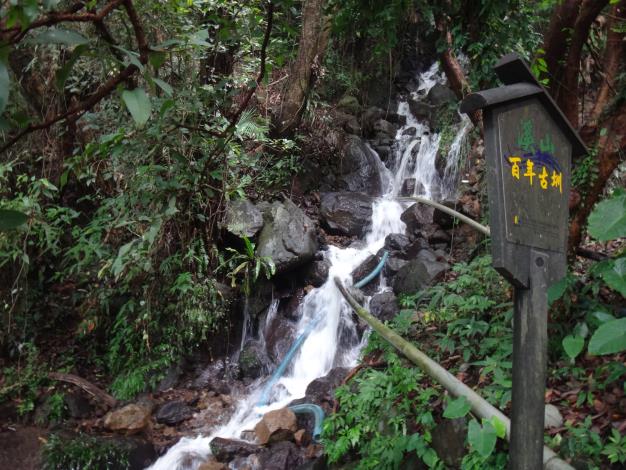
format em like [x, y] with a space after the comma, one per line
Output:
[127, 127]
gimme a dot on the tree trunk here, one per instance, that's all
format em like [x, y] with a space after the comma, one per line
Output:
[610, 146]
[613, 55]
[313, 40]
[556, 41]
[568, 91]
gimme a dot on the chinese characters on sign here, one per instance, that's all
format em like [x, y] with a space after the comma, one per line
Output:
[537, 161]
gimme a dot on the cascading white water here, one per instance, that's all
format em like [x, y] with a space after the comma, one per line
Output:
[321, 351]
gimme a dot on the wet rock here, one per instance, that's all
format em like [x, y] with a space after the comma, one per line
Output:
[349, 104]
[553, 417]
[384, 305]
[301, 437]
[251, 360]
[383, 151]
[443, 219]
[422, 111]
[288, 238]
[416, 216]
[393, 265]
[397, 119]
[77, 404]
[410, 131]
[280, 334]
[317, 273]
[449, 441]
[440, 95]
[322, 390]
[397, 242]
[225, 450]
[242, 218]
[370, 116]
[470, 206]
[276, 425]
[140, 452]
[173, 412]
[170, 380]
[408, 187]
[352, 126]
[358, 169]
[130, 419]
[346, 213]
[281, 456]
[364, 269]
[382, 126]
[416, 275]
[439, 236]
[251, 462]
[212, 465]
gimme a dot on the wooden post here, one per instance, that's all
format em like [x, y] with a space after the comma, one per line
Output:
[530, 348]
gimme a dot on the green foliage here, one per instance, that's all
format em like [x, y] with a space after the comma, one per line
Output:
[127, 222]
[22, 381]
[376, 429]
[608, 219]
[610, 338]
[247, 266]
[84, 453]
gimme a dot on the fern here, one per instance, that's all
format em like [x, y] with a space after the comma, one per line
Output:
[251, 126]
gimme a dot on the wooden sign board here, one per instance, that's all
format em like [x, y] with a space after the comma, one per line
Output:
[528, 177]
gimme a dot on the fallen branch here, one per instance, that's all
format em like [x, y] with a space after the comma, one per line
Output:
[479, 406]
[85, 385]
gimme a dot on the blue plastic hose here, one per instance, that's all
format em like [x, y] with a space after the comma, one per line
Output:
[318, 414]
[374, 273]
[285, 362]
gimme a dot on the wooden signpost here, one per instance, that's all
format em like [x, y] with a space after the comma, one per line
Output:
[528, 145]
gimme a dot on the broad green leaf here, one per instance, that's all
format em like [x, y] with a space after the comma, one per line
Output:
[499, 426]
[573, 345]
[608, 219]
[11, 219]
[457, 408]
[60, 36]
[482, 438]
[610, 338]
[556, 290]
[614, 274]
[4, 86]
[138, 104]
[164, 86]
[64, 72]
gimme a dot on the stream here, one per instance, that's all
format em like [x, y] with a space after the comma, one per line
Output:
[323, 310]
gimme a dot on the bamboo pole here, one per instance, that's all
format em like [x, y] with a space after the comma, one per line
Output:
[463, 218]
[479, 406]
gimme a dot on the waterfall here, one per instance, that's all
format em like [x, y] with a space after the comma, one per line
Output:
[414, 156]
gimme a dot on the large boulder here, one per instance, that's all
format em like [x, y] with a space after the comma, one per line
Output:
[173, 412]
[283, 455]
[279, 336]
[129, 419]
[317, 272]
[321, 391]
[276, 425]
[288, 237]
[349, 104]
[440, 95]
[252, 360]
[358, 169]
[418, 274]
[225, 450]
[242, 218]
[346, 213]
[384, 305]
[382, 126]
